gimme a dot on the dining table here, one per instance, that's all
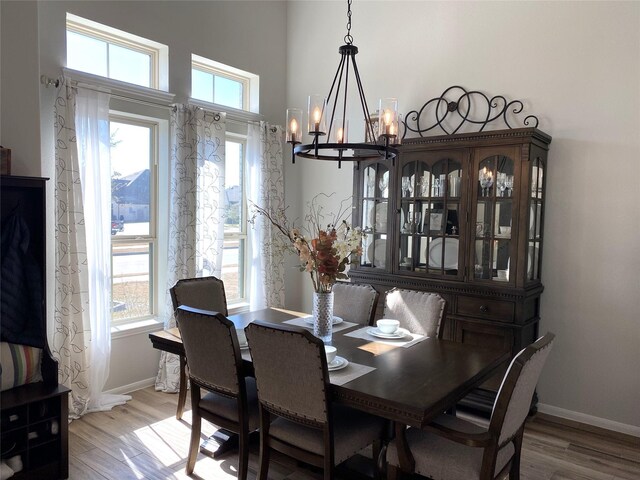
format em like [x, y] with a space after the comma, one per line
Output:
[409, 383]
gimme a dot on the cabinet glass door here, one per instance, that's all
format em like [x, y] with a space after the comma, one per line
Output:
[534, 229]
[430, 215]
[375, 208]
[493, 223]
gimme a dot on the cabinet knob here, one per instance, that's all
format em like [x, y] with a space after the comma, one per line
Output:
[484, 308]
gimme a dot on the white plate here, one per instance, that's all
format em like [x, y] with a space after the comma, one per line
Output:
[378, 217]
[397, 335]
[338, 364]
[336, 320]
[450, 253]
[379, 252]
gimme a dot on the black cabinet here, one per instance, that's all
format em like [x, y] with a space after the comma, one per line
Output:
[34, 417]
[461, 215]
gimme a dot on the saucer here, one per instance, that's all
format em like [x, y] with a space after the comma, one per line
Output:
[338, 364]
[336, 320]
[397, 335]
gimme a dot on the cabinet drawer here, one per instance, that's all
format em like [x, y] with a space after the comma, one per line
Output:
[486, 308]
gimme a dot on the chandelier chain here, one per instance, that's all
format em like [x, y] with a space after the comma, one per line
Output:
[348, 39]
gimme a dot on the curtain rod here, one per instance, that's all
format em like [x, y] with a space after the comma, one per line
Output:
[55, 82]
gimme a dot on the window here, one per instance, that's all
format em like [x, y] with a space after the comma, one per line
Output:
[223, 85]
[108, 52]
[133, 212]
[234, 257]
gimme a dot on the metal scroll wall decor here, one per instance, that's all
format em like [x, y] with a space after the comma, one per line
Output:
[456, 107]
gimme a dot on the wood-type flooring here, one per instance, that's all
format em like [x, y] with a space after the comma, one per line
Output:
[143, 439]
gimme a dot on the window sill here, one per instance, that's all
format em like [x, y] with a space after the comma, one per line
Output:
[136, 328]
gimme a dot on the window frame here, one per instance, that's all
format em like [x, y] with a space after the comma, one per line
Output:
[242, 234]
[151, 239]
[251, 84]
[158, 52]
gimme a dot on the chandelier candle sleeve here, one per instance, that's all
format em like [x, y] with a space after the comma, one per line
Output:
[317, 123]
[294, 123]
[388, 118]
[340, 131]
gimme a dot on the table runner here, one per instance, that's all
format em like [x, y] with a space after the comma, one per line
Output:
[362, 333]
[300, 322]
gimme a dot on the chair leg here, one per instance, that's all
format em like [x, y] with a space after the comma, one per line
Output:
[393, 472]
[514, 472]
[263, 469]
[378, 459]
[243, 455]
[182, 392]
[194, 445]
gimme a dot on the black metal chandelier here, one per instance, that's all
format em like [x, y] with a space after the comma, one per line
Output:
[381, 134]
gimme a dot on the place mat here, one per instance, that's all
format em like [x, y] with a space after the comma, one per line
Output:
[300, 322]
[362, 333]
[348, 373]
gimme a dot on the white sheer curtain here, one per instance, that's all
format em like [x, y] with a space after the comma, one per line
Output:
[82, 338]
[266, 189]
[196, 223]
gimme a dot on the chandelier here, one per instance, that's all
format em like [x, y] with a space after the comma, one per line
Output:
[327, 121]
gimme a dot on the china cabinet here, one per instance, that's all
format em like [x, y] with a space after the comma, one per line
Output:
[461, 215]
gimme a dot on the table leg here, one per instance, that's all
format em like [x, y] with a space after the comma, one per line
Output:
[182, 392]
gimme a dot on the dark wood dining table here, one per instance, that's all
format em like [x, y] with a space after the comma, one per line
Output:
[409, 385]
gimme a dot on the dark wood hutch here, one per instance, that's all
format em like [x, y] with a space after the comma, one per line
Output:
[461, 214]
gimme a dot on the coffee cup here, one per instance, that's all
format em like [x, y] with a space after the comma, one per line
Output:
[330, 353]
[505, 230]
[387, 325]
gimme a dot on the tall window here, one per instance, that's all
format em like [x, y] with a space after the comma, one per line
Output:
[234, 263]
[108, 52]
[215, 82]
[133, 213]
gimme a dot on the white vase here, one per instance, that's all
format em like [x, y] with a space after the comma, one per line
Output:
[323, 315]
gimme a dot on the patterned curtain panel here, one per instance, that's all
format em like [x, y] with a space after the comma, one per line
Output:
[81, 340]
[196, 223]
[72, 331]
[266, 188]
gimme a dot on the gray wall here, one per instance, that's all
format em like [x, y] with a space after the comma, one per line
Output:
[577, 66]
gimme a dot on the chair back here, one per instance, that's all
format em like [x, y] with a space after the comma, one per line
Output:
[355, 303]
[419, 312]
[205, 293]
[212, 350]
[514, 397]
[291, 372]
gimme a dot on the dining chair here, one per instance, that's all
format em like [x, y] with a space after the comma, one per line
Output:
[451, 448]
[215, 367]
[354, 302]
[206, 293]
[419, 312]
[297, 415]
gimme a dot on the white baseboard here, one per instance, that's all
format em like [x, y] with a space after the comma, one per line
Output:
[589, 420]
[132, 387]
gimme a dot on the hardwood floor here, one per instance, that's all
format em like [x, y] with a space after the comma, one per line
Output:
[143, 439]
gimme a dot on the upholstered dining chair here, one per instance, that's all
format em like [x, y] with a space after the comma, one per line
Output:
[215, 367]
[418, 312]
[355, 303]
[451, 448]
[297, 416]
[206, 293]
